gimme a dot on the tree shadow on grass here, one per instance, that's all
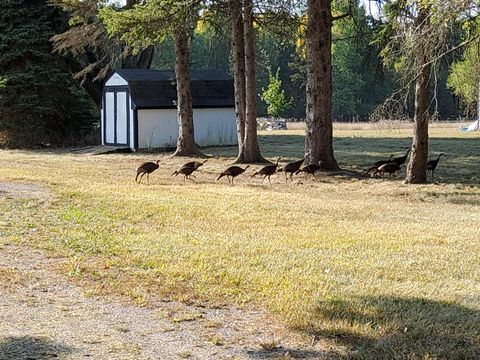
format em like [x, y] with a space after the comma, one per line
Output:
[356, 155]
[32, 348]
[285, 353]
[400, 328]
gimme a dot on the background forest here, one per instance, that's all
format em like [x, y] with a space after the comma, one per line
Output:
[50, 84]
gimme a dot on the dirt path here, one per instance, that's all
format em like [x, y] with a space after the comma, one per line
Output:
[44, 317]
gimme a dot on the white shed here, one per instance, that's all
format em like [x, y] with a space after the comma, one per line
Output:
[139, 109]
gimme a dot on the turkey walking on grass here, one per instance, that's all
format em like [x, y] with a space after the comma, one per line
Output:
[432, 164]
[232, 172]
[267, 171]
[146, 168]
[291, 168]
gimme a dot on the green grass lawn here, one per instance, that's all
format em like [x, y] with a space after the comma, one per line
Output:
[375, 268]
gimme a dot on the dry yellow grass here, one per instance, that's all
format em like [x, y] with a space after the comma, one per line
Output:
[376, 269]
[383, 125]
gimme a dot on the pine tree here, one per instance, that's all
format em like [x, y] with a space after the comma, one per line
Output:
[148, 24]
[38, 97]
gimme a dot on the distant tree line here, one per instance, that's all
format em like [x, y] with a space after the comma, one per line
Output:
[334, 60]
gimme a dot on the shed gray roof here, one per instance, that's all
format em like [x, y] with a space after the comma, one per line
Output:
[154, 89]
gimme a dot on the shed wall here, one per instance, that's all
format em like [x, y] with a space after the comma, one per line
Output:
[158, 128]
[215, 126]
[132, 129]
[116, 80]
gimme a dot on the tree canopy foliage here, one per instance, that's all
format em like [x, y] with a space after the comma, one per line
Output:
[464, 78]
[148, 23]
[274, 96]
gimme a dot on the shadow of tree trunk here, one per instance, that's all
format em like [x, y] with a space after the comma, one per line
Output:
[399, 328]
[27, 347]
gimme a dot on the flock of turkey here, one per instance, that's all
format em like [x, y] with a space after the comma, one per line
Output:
[382, 167]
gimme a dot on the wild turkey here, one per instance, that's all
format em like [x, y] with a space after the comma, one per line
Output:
[310, 169]
[186, 171]
[188, 168]
[401, 159]
[432, 164]
[146, 168]
[232, 172]
[390, 168]
[267, 171]
[291, 168]
[377, 164]
[195, 164]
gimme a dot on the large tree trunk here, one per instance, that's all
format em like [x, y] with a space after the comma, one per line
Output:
[140, 61]
[93, 88]
[478, 104]
[130, 3]
[251, 151]
[238, 52]
[417, 166]
[186, 141]
[319, 134]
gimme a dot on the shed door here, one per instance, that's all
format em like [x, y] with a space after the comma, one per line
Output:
[122, 110]
[109, 118]
[116, 117]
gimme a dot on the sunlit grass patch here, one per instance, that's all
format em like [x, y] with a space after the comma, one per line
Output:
[376, 268]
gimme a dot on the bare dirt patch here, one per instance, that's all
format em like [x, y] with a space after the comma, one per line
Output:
[23, 191]
[42, 316]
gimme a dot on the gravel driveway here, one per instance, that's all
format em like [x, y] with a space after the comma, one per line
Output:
[42, 316]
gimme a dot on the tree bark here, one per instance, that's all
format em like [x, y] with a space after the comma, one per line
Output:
[238, 50]
[140, 61]
[478, 103]
[130, 3]
[319, 134]
[417, 166]
[251, 150]
[93, 88]
[186, 141]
